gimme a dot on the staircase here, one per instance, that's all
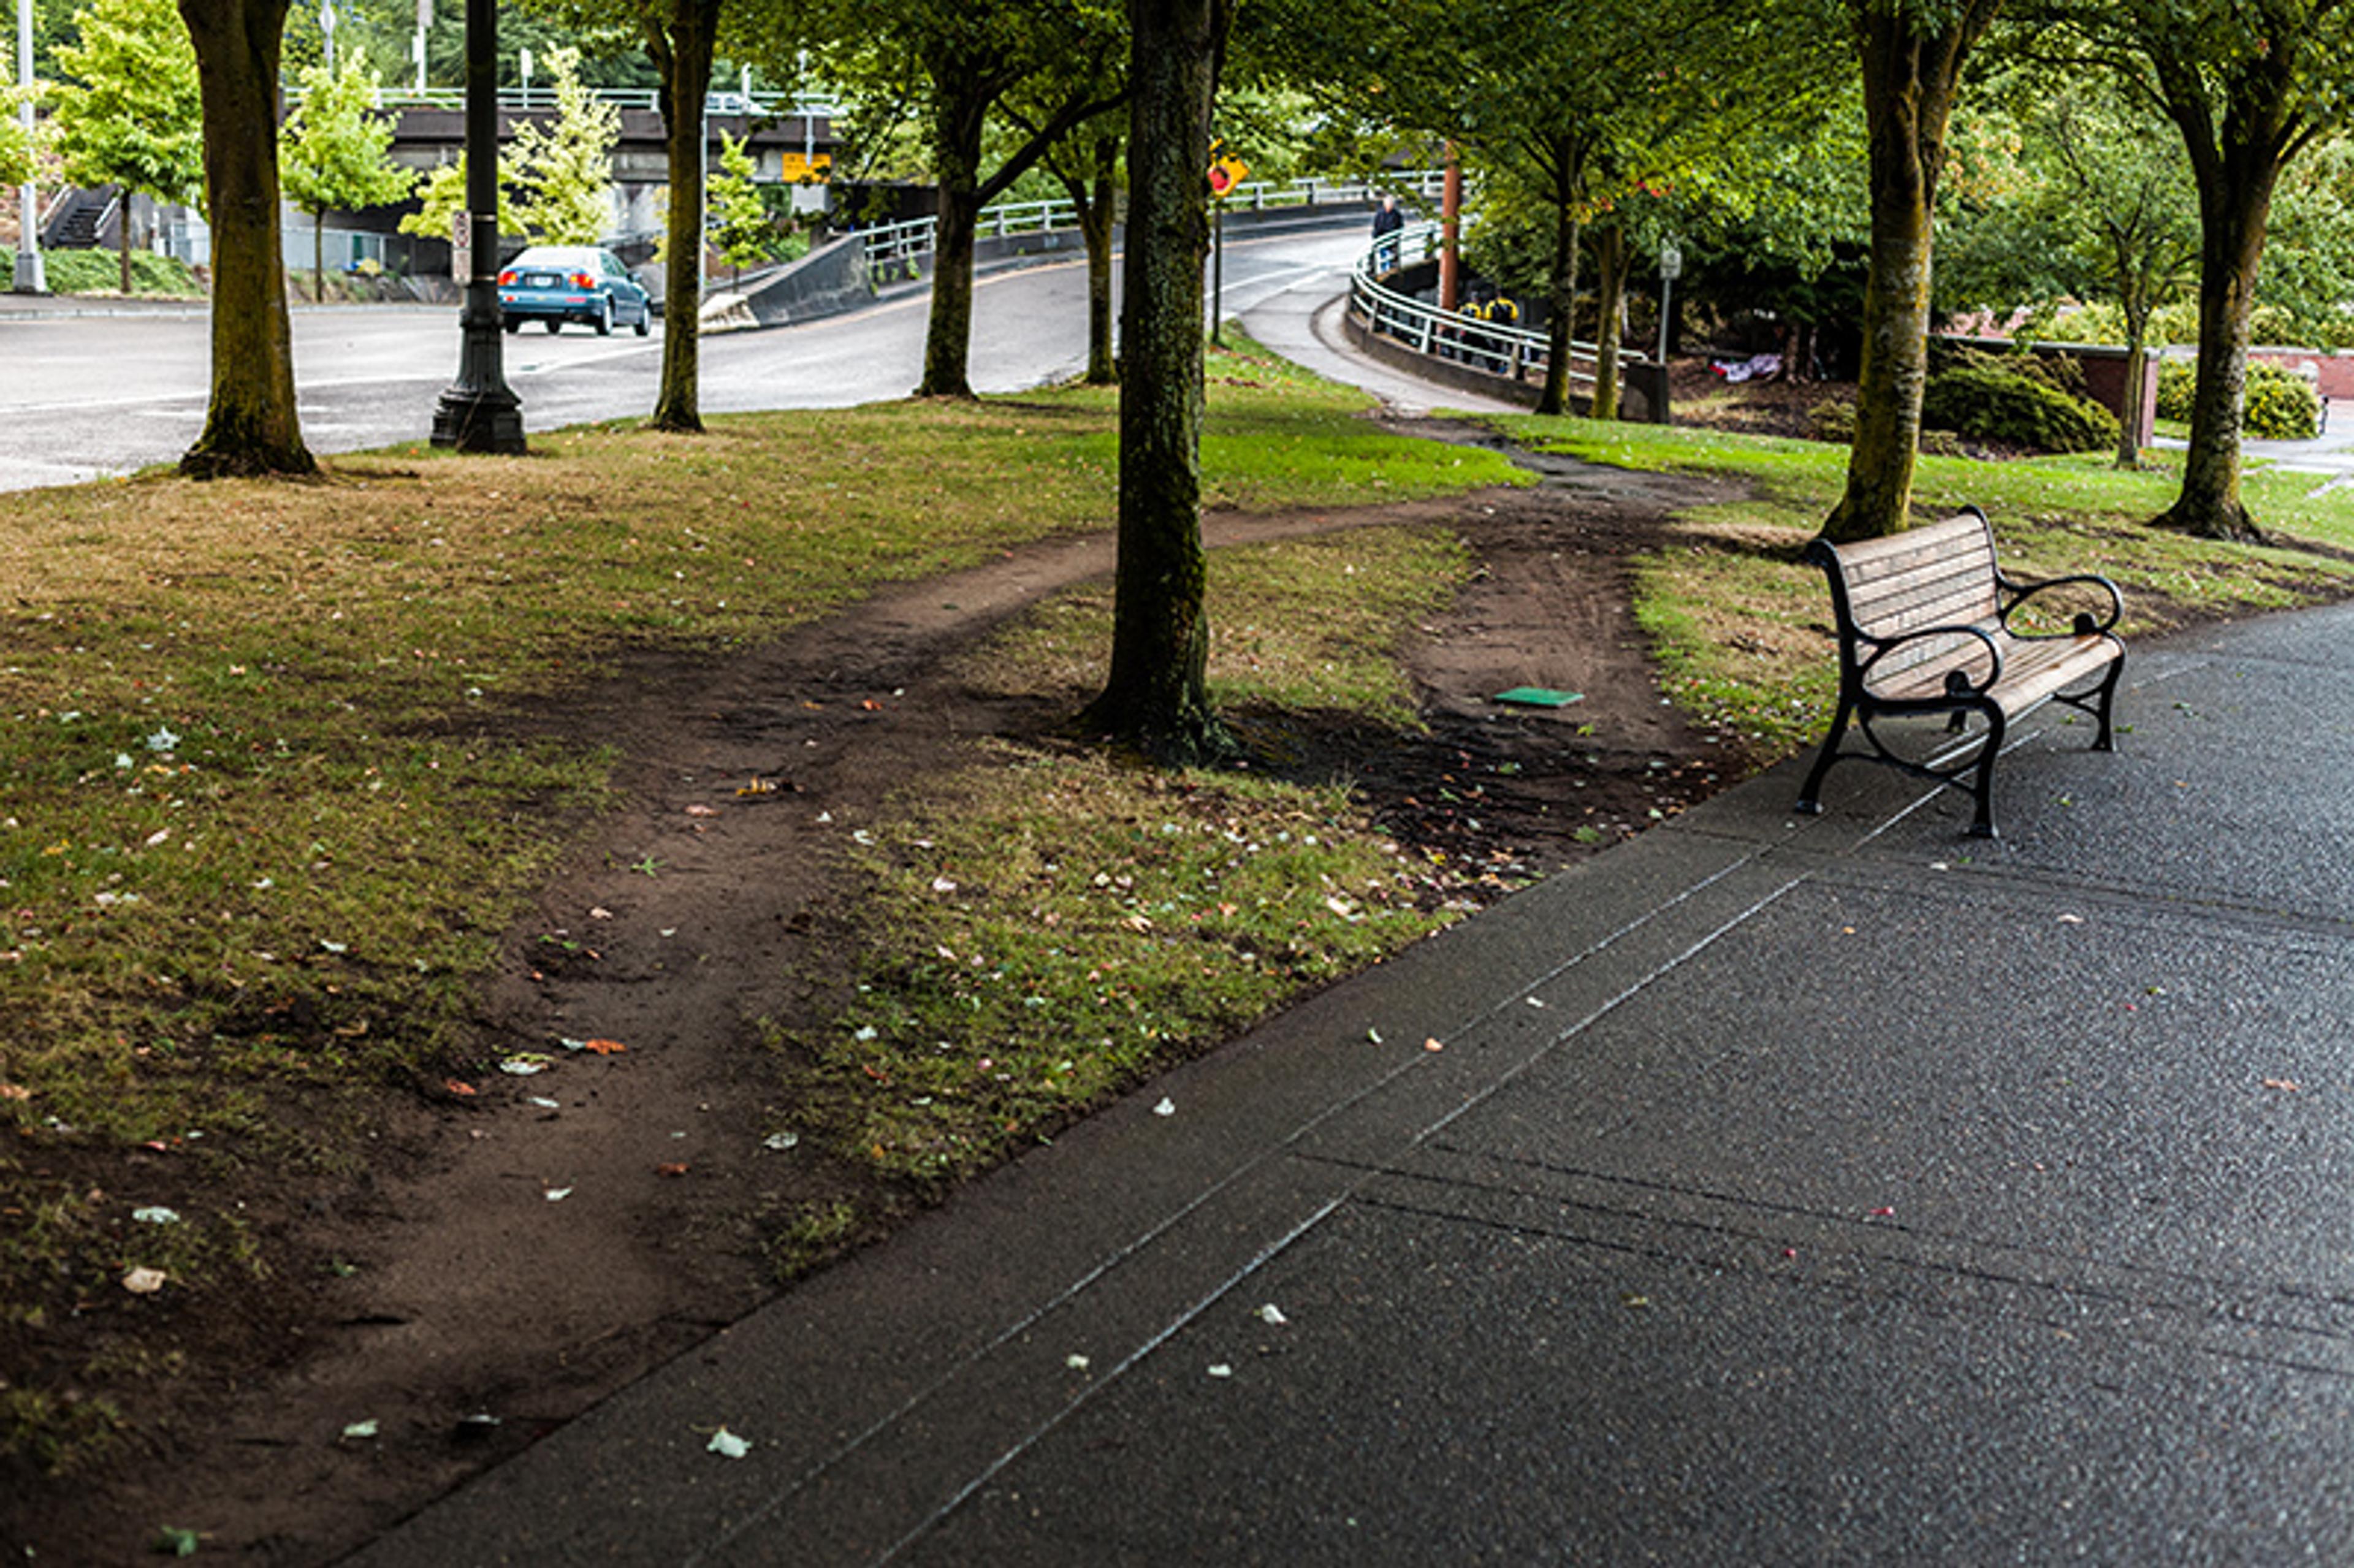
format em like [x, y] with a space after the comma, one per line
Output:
[78, 219]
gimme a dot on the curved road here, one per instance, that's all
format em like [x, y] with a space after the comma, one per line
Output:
[114, 390]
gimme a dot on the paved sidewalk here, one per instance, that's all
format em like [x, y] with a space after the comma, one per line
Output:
[1788, 1190]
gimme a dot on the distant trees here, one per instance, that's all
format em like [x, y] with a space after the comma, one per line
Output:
[563, 172]
[335, 152]
[128, 113]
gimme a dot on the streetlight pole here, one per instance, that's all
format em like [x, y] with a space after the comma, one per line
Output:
[1671, 266]
[29, 279]
[479, 412]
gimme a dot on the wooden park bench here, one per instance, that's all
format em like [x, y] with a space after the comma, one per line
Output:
[1924, 627]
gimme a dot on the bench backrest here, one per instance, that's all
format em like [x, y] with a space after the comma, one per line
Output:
[1941, 574]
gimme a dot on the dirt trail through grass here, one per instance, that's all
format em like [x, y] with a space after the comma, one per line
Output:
[528, 1242]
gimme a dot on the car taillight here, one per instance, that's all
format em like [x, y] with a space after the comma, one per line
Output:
[583, 280]
[507, 278]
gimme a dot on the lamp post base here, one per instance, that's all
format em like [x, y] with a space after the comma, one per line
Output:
[479, 421]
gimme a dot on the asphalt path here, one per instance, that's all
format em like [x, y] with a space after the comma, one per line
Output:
[86, 395]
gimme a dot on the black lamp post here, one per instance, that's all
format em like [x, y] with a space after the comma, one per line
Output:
[479, 412]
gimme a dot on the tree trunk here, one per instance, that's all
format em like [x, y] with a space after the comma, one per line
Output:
[682, 47]
[122, 242]
[1096, 225]
[2137, 313]
[1561, 297]
[961, 117]
[1910, 78]
[252, 426]
[1610, 261]
[1156, 694]
[2234, 201]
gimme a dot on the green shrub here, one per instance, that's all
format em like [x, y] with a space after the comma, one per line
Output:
[2282, 404]
[101, 272]
[1990, 400]
[2178, 380]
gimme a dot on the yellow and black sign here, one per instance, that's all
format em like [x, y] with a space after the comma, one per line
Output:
[1226, 171]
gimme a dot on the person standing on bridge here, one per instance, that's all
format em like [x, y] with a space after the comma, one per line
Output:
[1386, 224]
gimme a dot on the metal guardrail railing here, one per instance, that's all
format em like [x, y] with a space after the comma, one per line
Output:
[904, 243]
[534, 100]
[1490, 346]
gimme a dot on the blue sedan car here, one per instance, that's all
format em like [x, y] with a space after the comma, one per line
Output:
[559, 283]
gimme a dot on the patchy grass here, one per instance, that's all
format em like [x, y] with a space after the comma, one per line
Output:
[271, 794]
[1742, 627]
[1045, 929]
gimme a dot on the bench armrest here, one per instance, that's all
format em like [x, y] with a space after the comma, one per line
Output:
[2017, 594]
[1957, 684]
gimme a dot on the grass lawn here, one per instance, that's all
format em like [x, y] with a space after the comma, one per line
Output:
[1740, 625]
[265, 814]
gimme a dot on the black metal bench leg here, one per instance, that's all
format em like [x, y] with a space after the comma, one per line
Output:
[2107, 741]
[1810, 795]
[1983, 827]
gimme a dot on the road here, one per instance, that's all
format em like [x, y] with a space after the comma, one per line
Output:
[89, 395]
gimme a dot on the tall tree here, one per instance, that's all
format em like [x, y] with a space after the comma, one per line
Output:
[129, 113]
[335, 153]
[2250, 86]
[1912, 53]
[741, 230]
[1157, 694]
[1086, 162]
[2077, 196]
[251, 423]
[16, 142]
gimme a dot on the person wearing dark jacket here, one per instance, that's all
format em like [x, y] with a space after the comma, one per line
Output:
[1386, 224]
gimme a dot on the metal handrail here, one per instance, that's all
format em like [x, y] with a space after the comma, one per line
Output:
[906, 240]
[514, 100]
[1508, 350]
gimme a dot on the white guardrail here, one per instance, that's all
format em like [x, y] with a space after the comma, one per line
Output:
[525, 100]
[1490, 346]
[904, 243]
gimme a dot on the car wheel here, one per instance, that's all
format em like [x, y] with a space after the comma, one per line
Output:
[645, 319]
[605, 318]
[554, 325]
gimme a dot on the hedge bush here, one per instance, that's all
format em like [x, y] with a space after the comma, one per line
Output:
[101, 272]
[1990, 400]
[2282, 406]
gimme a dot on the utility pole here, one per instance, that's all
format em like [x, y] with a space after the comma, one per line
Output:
[29, 278]
[480, 412]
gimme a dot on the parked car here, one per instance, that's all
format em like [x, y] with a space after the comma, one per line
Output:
[559, 283]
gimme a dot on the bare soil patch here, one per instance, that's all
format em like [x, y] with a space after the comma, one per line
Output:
[521, 1244]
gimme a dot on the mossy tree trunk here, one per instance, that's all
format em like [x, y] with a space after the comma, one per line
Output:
[2236, 164]
[682, 37]
[1912, 73]
[960, 114]
[252, 426]
[1097, 200]
[1611, 258]
[1156, 694]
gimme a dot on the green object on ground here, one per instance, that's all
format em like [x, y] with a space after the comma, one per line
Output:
[1540, 697]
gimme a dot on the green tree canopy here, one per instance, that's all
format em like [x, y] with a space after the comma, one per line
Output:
[128, 112]
[563, 173]
[335, 151]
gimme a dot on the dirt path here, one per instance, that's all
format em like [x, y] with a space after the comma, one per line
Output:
[527, 1244]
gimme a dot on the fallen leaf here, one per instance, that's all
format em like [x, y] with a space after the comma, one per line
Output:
[728, 1446]
[604, 1047]
[701, 811]
[1433, 1044]
[871, 705]
[525, 1063]
[675, 1168]
[15, 1092]
[1222, 1369]
[557, 1194]
[463, 1091]
[1076, 1363]
[1271, 1313]
[1883, 1214]
[543, 1102]
[171, 1541]
[1166, 1108]
[360, 1429]
[2288, 1085]
[600, 913]
[780, 1140]
[143, 1281]
[156, 1217]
